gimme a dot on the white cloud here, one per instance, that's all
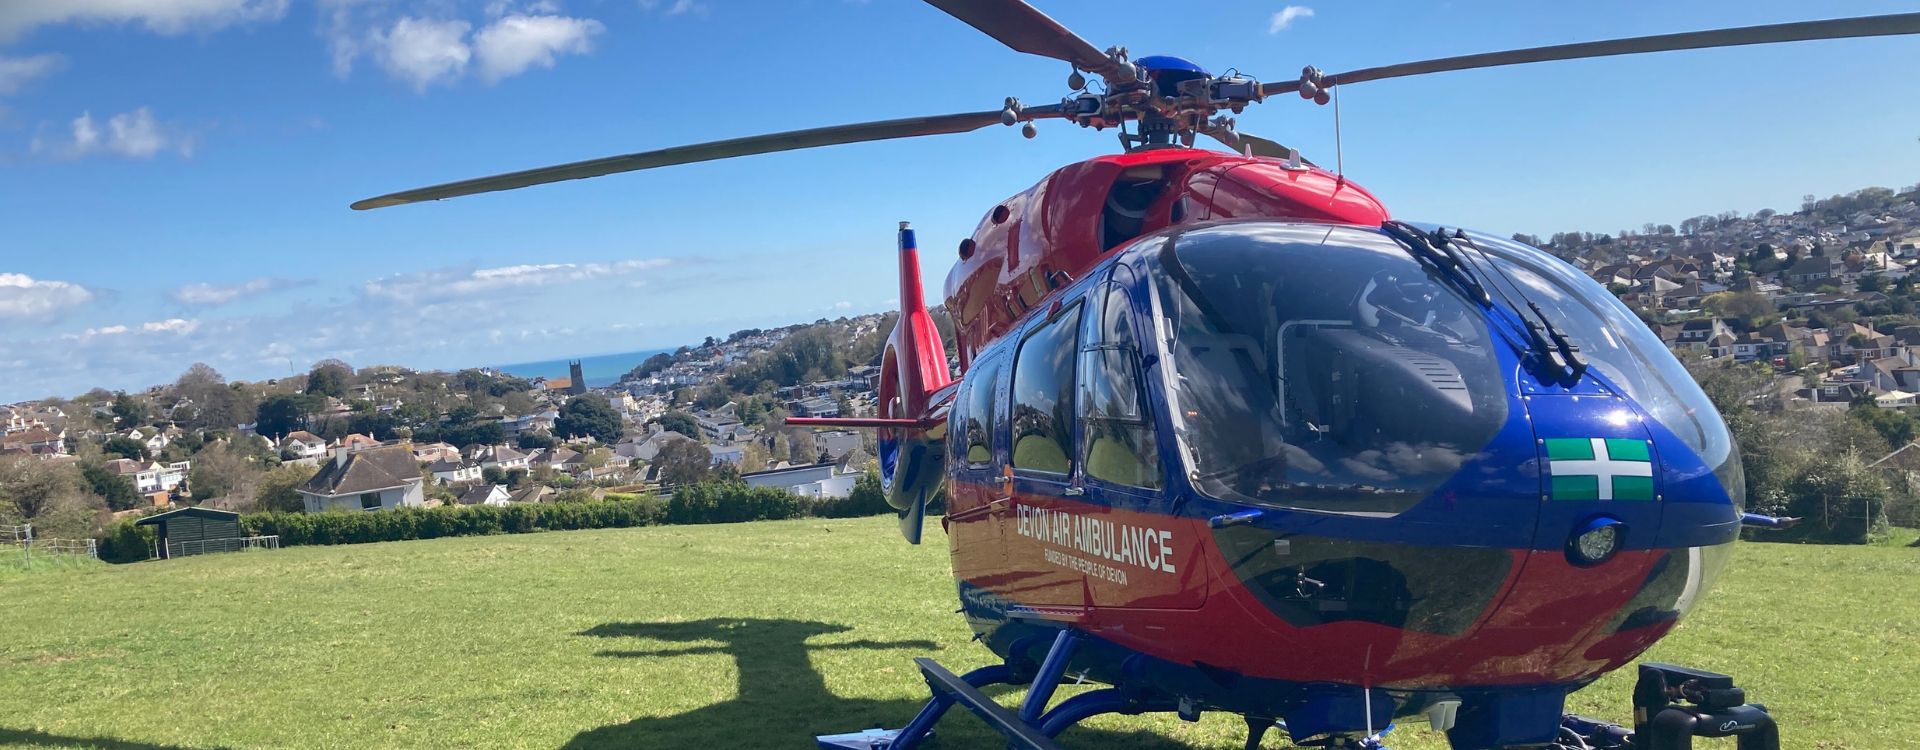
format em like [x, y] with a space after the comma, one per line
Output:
[515, 43]
[159, 16]
[1286, 17]
[176, 326]
[451, 284]
[17, 72]
[673, 8]
[133, 134]
[211, 295]
[430, 47]
[423, 52]
[24, 297]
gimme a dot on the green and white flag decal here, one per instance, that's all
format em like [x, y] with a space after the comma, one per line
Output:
[1599, 469]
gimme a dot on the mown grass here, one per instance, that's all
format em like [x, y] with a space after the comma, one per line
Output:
[16, 562]
[747, 635]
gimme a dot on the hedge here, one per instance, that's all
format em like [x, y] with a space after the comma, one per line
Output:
[708, 502]
[348, 527]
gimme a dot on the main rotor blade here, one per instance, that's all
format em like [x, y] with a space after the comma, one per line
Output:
[1247, 143]
[1801, 31]
[758, 144]
[1024, 28]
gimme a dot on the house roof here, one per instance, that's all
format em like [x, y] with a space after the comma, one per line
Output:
[448, 465]
[478, 494]
[29, 437]
[188, 512]
[531, 493]
[124, 466]
[1907, 457]
[369, 470]
[302, 436]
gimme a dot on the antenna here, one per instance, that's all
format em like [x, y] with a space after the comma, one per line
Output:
[1339, 156]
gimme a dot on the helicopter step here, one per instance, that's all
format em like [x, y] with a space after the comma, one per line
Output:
[1032, 728]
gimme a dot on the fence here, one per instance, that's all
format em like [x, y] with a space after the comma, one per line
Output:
[21, 536]
[205, 546]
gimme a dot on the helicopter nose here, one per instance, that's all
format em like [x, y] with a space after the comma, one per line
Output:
[1601, 484]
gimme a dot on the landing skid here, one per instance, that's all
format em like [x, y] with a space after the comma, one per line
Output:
[1673, 705]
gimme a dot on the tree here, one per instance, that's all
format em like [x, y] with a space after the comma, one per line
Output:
[589, 415]
[125, 447]
[219, 472]
[754, 457]
[1841, 500]
[116, 490]
[329, 378]
[652, 365]
[683, 462]
[493, 475]
[536, 440]
[280, 414]
[681, 422]
[380, 425]
[129, 411]
[48, 495]
[279, 489]
[1749, 306]
[801, 448]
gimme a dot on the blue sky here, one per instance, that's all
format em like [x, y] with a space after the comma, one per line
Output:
[174, 174]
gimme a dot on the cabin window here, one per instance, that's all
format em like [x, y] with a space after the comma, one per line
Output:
[1118, 439]
[369, 501]
[978, 420]
[1043, 396]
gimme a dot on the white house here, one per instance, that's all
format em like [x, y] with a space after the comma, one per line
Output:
[813, 480]
[732, 454]
[454, 470]
[303, 444]
[645, 449]
[150, 476]
[502, 456]
[485, 494]
[374, 479]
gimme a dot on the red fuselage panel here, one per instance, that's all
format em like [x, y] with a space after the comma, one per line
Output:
[1039, 240]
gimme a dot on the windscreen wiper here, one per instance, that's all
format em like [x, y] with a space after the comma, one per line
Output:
[1440, 257]
[1557, 355]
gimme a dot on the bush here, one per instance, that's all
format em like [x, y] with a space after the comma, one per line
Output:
[125, 543]
[347, 527]
[867, 499]
[706, 502]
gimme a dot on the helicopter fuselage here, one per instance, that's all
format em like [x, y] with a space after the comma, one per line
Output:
[1267, 463]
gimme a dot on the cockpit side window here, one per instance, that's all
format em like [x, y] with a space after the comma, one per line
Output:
[978, 419]
[1117, 436]
[1043, 395]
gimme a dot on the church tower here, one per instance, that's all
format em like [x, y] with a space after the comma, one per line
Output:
[578, 384]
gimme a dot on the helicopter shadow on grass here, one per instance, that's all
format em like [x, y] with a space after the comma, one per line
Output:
[34, 738]
[782, 701]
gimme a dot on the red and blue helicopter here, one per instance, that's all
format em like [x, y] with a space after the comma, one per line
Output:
[1226, 436]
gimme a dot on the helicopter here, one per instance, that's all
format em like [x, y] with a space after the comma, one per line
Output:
[1226, 436]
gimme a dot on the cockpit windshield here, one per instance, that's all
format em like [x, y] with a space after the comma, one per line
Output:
[1320, 368]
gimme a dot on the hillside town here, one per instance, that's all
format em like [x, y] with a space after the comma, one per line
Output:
[1824, 295]
[383, 438]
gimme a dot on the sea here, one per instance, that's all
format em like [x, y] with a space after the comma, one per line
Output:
[601, 370]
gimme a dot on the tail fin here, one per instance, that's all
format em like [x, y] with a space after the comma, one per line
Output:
[914, 365]
[913, 374]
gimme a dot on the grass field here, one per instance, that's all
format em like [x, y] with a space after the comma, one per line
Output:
[748, 635]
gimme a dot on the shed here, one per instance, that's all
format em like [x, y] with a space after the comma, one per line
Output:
[193, 531]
